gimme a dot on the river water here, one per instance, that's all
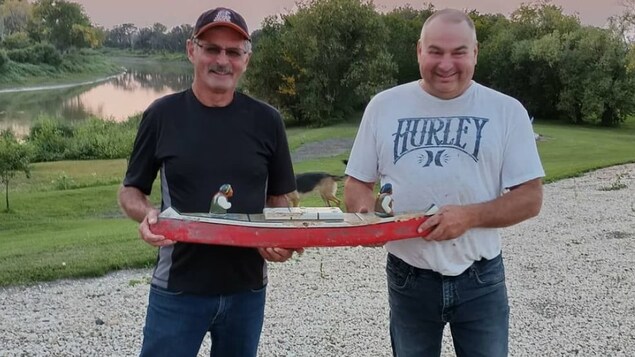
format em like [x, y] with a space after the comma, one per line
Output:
[113, 98]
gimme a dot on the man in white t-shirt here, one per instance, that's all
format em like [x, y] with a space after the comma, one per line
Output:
[470, 150]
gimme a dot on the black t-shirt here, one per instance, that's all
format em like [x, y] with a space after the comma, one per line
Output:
[197, 149]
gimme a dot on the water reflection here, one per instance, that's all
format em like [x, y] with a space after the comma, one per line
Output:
[115, 99]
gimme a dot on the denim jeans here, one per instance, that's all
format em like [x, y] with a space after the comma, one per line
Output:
[176, 323]
[474, 303]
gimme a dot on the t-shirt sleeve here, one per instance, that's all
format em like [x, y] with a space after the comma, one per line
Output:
[281, 177]
[143, 165]
[521, 161]
[362, 163]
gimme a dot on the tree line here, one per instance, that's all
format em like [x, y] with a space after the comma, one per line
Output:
[155, 38]
[51, 24]
[320, 68]
[325, 60]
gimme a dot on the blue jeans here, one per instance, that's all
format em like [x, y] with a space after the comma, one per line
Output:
[474, 303]
[176, 323]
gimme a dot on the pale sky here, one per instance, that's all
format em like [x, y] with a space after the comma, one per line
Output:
[142, 13]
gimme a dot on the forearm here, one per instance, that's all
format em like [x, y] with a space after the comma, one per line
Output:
[358, 195]
[515, 206]
[277, 201]
[134, 203]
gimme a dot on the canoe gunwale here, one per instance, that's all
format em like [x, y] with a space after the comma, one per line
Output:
[368, 229]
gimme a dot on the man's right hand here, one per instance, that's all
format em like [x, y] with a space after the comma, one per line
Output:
[147, 235]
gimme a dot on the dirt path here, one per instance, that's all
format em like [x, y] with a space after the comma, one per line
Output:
[319, 149]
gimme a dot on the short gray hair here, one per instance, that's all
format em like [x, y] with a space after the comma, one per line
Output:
[450, 15]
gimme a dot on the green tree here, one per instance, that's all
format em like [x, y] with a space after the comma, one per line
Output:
[494, 67]
[272, 73]
[121, 36]
[14, 157]
[177, 37]
[598, 88]
[541, 18]
[404, 29]
[624, 23]
[84, 36]
[157, 39]
[322, 62]
[487, 25]
[15, 16]
[62, 23]
[520, 56]
[142, 39]
[16, 40]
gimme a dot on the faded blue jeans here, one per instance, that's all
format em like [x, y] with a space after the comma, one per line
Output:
[474, 303]
[176, 323]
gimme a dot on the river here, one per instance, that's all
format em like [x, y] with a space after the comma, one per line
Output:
[113, 98]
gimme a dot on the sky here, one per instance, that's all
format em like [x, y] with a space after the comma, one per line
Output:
[143, 13]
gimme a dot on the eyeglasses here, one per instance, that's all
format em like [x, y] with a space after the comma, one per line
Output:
[215, 50]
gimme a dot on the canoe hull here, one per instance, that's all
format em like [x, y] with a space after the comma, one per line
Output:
[371, 231]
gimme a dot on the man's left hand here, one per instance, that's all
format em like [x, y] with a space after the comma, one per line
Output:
[278, 254]
[449, 223]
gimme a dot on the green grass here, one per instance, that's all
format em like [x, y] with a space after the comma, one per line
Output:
[52, 233]
[299, 136]
[65, 222]
[75, 68]
[70, 248]
[84, 173]
[569, 151]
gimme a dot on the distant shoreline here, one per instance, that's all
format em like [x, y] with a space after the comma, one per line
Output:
[57, 86]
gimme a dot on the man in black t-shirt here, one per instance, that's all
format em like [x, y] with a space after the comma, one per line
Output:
[198, 140]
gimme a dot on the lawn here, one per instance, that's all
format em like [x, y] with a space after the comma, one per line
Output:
[65, 222]
[568, 151]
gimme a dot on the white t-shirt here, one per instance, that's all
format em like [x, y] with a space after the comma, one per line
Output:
[459, 151]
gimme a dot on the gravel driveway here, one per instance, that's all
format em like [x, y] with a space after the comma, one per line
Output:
[571, 280]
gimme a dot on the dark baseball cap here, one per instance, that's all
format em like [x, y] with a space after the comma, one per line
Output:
[221, 16]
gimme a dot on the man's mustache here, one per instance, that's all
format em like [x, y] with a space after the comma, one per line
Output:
[220, 69]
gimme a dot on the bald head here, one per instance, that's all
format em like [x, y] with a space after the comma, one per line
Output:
[447, 53]
[452, 16]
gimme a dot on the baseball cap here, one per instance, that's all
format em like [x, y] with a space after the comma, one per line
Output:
[221, 16]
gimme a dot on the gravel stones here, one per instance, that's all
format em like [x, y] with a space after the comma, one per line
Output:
[570, 276]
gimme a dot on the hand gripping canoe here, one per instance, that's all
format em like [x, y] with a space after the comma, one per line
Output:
[252, 230]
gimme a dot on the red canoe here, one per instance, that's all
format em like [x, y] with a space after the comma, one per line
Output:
[253, 230]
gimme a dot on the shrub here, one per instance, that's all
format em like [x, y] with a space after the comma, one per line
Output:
[41, 53]
[4, 59]
[64, 182]
[19, 55]
[17, 40]
[86, 140]
[50, 139]
[49, 54]
[99, 139]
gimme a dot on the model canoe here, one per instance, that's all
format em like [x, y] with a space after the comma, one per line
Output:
[299, 228]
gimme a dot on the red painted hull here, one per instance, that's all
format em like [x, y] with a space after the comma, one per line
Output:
[357, 229]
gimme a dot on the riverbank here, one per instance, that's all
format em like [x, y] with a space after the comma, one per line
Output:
[569, 274]
[76, 67]
[58, 86]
